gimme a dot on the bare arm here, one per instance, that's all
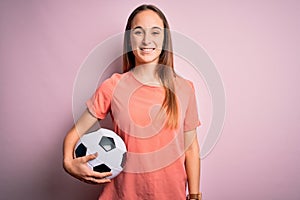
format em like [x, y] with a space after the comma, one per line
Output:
[77, 167]
[192, 161]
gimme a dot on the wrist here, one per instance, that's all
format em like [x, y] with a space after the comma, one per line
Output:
[197, 196]
[66, 164]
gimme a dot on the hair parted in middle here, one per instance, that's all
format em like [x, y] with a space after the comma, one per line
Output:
[165, 68]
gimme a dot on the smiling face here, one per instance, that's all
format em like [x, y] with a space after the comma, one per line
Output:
[147, 36]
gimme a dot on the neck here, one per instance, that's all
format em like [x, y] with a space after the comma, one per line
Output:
[146, 73]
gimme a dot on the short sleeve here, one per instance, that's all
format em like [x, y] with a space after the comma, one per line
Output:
[99, 104]
[191, 120]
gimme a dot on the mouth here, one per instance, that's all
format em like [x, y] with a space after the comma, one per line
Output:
[147, 50]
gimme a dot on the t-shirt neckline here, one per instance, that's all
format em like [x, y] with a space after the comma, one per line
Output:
[144, 84]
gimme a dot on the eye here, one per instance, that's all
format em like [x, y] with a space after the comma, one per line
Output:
[138, 32]
[156, 33]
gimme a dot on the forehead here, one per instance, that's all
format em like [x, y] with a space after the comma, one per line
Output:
[147, 19]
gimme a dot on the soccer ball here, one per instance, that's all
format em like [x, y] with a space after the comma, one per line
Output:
[110, 147]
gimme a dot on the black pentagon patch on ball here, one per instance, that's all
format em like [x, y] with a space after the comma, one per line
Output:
[123, 160]
[101, 168]
[80, 151]
[107, 143]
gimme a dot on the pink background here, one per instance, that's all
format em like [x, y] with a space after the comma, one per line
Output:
[254, 44]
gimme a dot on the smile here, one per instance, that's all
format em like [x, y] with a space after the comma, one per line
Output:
[147, 50]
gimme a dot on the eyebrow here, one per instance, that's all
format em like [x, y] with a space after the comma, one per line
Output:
[154, 27]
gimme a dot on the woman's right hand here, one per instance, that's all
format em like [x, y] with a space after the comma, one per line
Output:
[79, 169]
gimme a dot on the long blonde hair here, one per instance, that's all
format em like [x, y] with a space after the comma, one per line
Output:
[165, 68]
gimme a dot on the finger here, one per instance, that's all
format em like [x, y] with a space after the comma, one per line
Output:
[102, 175]
[90, 157]
[92, 180]
[103, 180]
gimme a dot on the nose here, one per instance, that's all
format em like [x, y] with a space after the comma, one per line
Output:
[146, 39]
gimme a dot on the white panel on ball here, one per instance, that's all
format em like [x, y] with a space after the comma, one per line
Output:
[110, 147]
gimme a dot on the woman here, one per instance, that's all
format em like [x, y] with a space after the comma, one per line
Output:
[153, 110]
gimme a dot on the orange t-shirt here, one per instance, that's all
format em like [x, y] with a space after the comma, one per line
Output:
[155, 160]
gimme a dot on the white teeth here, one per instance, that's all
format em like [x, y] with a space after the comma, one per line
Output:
[147, 49]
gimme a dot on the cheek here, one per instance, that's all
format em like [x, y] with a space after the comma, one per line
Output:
[159, 43]
[135, 42]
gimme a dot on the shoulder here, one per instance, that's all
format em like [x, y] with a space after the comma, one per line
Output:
[113, 80]
[184, 84]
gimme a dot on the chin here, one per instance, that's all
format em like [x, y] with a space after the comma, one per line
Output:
[147, 59]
